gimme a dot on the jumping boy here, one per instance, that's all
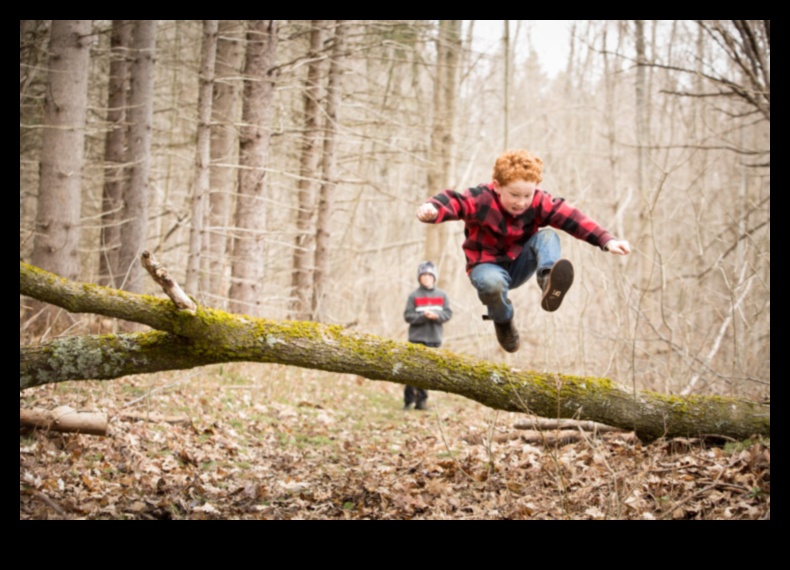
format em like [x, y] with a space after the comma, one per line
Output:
[504, 246]
[427, 309]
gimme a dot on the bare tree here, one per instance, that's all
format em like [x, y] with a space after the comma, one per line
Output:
[302, 277]
[747, 44]
[139, 136]
[33, 40]
[444, 102]
[642, 140]
[506, 83]
[203, 154]
[57, 235]
[248, 250]
[323, 232]
[114, 152]
[29, 54]
[640, 86]
[225, 113]
[738, 70]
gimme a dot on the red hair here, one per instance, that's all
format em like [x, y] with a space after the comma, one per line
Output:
[518, 165]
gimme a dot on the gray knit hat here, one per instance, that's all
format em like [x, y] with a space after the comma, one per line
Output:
[427, 267]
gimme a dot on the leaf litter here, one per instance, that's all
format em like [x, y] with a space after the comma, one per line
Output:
[277, 443]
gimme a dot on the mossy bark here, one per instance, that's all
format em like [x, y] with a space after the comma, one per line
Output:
[209, 336]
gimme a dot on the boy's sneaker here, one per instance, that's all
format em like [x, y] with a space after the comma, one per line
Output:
[507, 335]
[557, 283]
[420, 405]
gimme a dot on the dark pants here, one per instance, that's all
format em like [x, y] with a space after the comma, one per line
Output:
[417, 396]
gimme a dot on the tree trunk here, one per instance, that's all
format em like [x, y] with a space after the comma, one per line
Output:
[302, 276]
[248, 249]
[225, 113]
[323, 234]
[445, 87]
[57, 236]
[114, 153]
[506, 84]
[140, 119]
[203, 156]
[644, 241]
[185, 339]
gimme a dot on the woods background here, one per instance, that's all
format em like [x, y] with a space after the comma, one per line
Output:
[275, 168]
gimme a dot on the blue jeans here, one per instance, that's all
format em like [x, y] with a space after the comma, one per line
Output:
[493, 281]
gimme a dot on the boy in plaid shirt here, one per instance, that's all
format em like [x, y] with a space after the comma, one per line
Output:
[504, 246]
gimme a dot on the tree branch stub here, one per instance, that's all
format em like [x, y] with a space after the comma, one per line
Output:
[171, 288]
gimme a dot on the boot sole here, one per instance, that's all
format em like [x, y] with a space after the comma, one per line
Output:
[559, 281]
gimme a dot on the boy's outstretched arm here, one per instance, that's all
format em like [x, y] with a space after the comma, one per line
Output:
[427, 212]
[618, 247]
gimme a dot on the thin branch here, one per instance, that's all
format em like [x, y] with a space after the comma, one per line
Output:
[717, 342]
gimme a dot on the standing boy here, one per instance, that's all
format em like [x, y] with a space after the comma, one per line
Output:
[427, 309]
[503, 246]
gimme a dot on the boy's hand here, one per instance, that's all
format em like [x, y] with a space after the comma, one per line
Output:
[431, 316]
[427, 212]
[618, 247]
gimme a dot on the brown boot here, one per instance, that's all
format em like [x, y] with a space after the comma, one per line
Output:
[556, 284]
[507, 335]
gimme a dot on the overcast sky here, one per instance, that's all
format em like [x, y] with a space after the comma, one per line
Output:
[549, 38]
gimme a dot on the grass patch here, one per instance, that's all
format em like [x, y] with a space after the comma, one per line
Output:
[302, 441]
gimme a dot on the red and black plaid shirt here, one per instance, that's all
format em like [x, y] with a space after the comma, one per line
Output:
[495, 236]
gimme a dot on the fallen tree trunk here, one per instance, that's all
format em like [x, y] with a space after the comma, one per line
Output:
[189, 338]
[65, 419]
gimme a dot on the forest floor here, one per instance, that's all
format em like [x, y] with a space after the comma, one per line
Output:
[257, 441]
